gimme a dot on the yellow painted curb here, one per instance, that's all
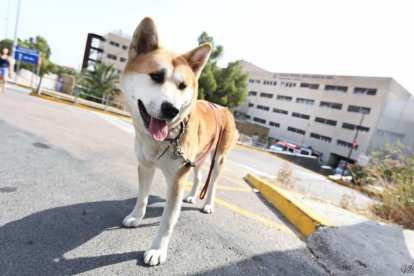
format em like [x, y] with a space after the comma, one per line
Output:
[300, 215]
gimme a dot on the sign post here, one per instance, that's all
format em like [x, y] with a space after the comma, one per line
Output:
[27, 55]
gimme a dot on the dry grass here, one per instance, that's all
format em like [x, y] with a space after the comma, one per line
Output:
[285, 176]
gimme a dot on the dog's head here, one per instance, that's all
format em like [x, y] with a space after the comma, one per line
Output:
[160, 87]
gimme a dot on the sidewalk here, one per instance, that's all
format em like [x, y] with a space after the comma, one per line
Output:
[349, 244]
[358, 245]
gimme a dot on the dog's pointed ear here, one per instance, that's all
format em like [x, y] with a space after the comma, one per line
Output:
[198, 57]
[144, 40]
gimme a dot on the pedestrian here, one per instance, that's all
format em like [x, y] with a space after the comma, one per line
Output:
[59, 84]
[5, 66]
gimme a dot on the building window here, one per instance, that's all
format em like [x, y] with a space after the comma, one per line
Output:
[251, 105]
[257, 81]
[123, 59]
[276, 110]
[262, 107]
[266, 95]
[336, 88]
[248, 117]
[305, 101]
[359, 109]
[309, 85]
[392, 135]
[321, 137]
[267, 82]
[274, 124]
[110, 56]
[325, 121]
[353, 127]
[113, 43]
[299, 115]
[284, 98]
[288, 84]
[124, 47]
[345, 144]
[365, 91]
[296, 130]
[259, 120]
[252, 93]
[331, 105]
[251, 80]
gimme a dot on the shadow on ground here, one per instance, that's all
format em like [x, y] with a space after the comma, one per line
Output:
[35, 245]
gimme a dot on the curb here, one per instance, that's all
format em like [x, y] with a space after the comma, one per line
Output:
[300, 215]
[363, 189]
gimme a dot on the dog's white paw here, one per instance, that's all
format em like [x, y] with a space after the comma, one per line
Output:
[155, 256]
[131, 221]
[190, 199]
[208, 209]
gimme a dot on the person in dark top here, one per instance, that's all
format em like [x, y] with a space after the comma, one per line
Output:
[5, 66]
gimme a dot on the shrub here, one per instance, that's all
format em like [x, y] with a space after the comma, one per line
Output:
[393, 168]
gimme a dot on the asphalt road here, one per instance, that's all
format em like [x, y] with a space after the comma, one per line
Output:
[68, 178]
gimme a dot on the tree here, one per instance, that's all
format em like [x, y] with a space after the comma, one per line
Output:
[6, 43]
[39, 43]
[224, 86]
[103, 80]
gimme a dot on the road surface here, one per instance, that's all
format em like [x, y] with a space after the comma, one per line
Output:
[68, 178]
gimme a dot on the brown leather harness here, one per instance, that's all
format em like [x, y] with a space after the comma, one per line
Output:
[178, 152]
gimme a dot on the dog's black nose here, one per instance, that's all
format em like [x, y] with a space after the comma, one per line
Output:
[168, 110]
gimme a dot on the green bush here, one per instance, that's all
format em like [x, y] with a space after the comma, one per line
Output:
[393, 168]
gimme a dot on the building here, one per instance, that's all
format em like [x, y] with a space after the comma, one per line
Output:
[325, 111]
[111, 48]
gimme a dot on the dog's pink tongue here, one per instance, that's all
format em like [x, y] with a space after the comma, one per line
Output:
[158, 129]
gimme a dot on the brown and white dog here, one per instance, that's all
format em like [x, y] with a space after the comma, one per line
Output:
[161, 90]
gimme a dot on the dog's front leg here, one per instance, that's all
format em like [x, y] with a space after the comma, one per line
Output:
[145, 175]
[158, 252]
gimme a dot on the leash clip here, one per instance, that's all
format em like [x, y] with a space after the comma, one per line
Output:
[188, 164]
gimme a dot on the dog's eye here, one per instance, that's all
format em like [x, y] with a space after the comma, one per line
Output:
[158, 77]
[182, 86]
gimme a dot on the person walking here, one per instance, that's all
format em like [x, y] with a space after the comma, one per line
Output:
[5, 66]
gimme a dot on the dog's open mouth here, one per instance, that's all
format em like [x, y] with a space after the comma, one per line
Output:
[157, 128]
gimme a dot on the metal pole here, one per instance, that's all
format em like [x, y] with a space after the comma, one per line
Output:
[352, 147]
[15, 27]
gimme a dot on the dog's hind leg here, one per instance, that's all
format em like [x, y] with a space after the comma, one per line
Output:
[145, 176]
[211, 193]
[191, 197]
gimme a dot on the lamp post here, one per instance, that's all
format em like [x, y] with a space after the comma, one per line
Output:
[354, 143]
[15, 27]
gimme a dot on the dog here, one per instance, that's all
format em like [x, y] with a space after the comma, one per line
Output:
[174, 130]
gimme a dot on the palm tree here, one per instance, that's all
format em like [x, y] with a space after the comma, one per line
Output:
[103, 80]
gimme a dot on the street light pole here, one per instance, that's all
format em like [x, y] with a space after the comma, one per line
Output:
[353, 143]
[15, 27]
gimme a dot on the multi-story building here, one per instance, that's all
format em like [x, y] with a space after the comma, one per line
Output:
[326, 111]
[111, 48]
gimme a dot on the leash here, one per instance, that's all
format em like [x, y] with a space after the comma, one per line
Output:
[213, 160]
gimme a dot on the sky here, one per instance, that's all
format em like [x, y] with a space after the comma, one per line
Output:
[353, 37]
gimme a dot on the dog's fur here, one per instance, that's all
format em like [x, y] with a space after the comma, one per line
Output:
[146, 56]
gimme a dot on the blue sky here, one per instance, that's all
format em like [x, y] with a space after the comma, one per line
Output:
[370, 38]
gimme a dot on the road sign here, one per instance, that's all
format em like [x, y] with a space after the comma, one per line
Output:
[27, 55]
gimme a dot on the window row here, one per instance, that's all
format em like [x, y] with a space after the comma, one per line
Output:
[267, 82]
[116, 44]
[114, 57]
